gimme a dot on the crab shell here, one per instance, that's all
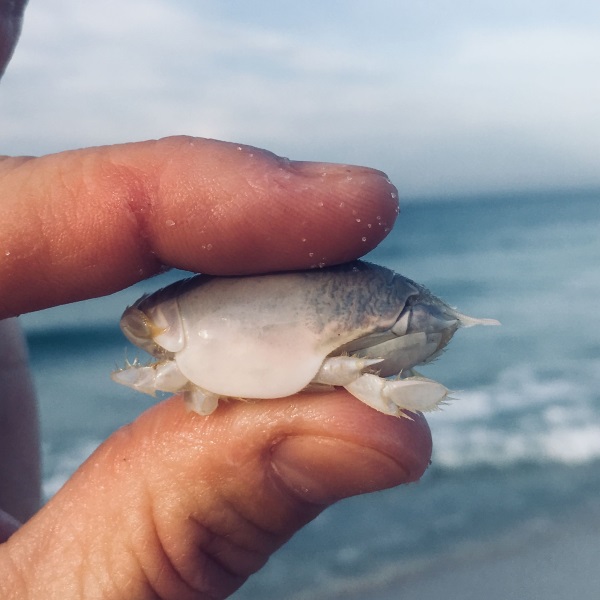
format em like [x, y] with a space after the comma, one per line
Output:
[268, 336]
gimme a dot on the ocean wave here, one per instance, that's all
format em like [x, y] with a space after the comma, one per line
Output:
[528, 415]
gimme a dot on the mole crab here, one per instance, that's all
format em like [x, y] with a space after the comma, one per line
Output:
[357, 325]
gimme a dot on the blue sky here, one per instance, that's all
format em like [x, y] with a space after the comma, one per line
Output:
[448, 97]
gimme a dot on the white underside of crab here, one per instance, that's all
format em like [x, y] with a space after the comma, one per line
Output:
[358, 326]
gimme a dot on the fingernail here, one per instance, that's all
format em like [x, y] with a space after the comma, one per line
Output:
[324, 470]
[320, 169]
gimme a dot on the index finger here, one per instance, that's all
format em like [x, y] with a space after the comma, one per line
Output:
[89, 222]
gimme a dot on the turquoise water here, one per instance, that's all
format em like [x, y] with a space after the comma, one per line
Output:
[516, 452]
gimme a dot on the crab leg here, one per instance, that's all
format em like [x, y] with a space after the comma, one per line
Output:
[200, 401]
[393, 397]
[341, 370]
[165, 376]
[162, 376]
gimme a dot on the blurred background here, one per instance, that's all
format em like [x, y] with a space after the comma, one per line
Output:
[447, 97]
[486, 116]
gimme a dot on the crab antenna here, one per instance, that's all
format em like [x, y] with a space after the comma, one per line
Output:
[466, 321]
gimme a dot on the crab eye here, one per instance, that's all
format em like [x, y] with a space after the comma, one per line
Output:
[168, 327]
[135, 325]
[138, 330]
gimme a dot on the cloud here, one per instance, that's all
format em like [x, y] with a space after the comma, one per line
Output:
[444, 97]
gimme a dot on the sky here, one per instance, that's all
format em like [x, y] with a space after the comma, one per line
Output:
[449, 97]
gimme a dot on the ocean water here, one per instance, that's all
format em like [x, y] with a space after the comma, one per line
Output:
[515, 454]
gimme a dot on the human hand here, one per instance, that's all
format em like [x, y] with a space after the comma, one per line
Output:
[176, 505]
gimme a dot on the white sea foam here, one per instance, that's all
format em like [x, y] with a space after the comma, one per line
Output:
[527, 415]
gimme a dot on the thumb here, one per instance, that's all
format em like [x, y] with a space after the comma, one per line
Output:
[181, 506]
